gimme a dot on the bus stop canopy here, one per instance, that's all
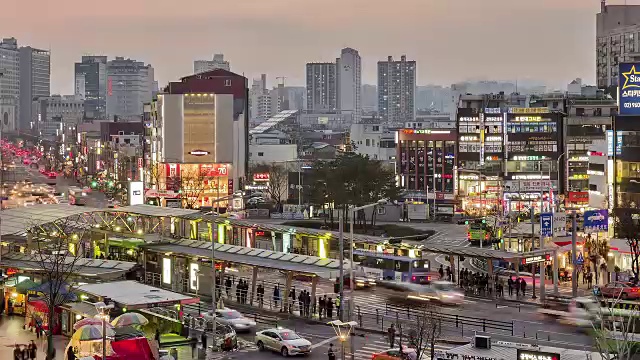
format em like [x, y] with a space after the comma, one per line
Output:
[252, 257]
[84, 267]
[134, 295]
[482, 253]
[17, 221]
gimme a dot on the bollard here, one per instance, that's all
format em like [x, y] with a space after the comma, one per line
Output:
[484, 326]
[456, 320]
[377, 314]
[513, 326]
[408, 314]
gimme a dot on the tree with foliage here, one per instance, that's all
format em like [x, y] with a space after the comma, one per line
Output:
[352, 180]
[423, 331]
[57, 249]
[628, 228]
[614, 331]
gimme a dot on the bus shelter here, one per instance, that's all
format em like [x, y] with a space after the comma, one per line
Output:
[186, 265]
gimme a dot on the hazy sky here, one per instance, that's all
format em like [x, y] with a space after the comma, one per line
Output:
[452, 40]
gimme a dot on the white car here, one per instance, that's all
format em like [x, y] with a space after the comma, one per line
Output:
[284, 341]
[232, 318]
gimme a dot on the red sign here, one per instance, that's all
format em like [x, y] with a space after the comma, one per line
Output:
[259, 233]
[214, 170]
[153, 193]
[261, 177]
[11, 271]
[579, 197]
[140, 163]
[110, 87]
[173, 177]
[230, 187]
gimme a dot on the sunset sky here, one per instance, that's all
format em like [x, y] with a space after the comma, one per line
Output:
[452, 40]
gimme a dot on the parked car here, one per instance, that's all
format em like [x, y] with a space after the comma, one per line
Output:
[396, 354]
[284, 341]
[624, 290]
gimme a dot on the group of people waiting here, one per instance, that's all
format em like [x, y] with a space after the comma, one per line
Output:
[25, 352]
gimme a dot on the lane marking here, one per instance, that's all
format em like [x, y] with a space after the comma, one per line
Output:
[323, 342]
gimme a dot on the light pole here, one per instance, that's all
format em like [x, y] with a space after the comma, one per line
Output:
[104, 309]
[352, 213]
[343, 332]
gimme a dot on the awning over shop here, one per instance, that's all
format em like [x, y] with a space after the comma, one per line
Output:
[84, 309]
[84, 267]
[134, 295]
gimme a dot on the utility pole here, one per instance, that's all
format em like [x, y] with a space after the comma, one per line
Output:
[341, 247]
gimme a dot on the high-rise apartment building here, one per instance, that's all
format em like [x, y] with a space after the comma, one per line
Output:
[91, 85]
[217, 62]
[321, 87]
[35, 81]
[129, 86]
[397, 90]
[349, 83]
[25, 74]
[617, 36]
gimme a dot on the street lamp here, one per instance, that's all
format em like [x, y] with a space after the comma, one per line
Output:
[104, 309]
[343, 332]
[352, 213]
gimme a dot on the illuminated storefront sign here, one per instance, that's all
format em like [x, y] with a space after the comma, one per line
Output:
[535, 259]
[517, 110]
[468, 138]
[530, 158]
[527, 119]
[261, 177]
[578, 197]
[524, 354]
[609, 142]
[469, 119]
[199, 153]
[629, 89]
[425, 131]
[492, 110]
[213, 170]
[136, 193]
[493, 138]
[256, 187]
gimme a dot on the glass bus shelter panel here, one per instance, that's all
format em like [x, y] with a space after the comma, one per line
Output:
[324, 262]
[276, 256]
[298, 259]
[255, 252]
[287, 257]
[311, 260]
[244, 251]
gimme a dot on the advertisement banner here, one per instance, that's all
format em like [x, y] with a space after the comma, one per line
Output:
[629, 89]
[560, 224]
[136, 193]
[579, 197]
[596, 221]
[213, 170]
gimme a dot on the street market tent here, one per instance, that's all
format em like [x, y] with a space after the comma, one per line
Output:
[253, 257]
[58, 286]
[24, 286]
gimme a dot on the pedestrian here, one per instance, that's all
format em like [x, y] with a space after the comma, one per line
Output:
[203, 340]
[33, 350]
[157, 336]
[510, 284]
[391, 334]
[441, 272]
[329, 305]
[194, 345]
[516, 285]
[523, 286]
[276, 295]
[321, 306]
[331, 353]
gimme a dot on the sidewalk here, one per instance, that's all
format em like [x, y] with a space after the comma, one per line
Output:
[12, 333]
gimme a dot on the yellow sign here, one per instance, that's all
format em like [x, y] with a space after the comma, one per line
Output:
[536, 110]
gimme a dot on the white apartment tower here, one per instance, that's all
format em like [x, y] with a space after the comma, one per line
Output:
[321, 87]
[617, 40]
[218, 62]
[130, 84]
[349, 83]
[9, 76]
[396, 90]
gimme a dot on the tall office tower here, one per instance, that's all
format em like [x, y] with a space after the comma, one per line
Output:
[35, 81]
[91, 85]
[321, 87]
[9, 78]
[349, 83]
[617, 29]
[217, 62]
[129, 86]
[397, 90]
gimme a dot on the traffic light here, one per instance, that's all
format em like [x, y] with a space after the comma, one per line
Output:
[110, 184]
[466, 222]
[94, 184]
[484, 221]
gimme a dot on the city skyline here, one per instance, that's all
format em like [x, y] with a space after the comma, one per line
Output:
[437, 35]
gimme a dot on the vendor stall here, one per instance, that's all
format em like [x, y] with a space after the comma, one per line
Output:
[37, 316]
[16, 296]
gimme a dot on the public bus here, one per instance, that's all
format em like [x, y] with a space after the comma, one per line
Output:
[77, 196]
[398, 263]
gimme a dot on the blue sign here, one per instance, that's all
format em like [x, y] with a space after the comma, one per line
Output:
[596, 221]
[618, 142]
[580, 259]
[546, 224]
[629, 89]
[609, 142]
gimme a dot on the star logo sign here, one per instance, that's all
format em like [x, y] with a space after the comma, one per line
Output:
[632, 76]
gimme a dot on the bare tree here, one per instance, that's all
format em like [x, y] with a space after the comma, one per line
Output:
[278, 181]
[615, 331]
[56, 249]
[423, 332]
[598, 248]
[156, 173]
[192, 186]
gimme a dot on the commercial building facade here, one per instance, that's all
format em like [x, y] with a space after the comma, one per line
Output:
[129, 86]
[56, 115]
[91, 85]
[199, 137]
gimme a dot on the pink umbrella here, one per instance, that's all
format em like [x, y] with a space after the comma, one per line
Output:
[91, 321]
